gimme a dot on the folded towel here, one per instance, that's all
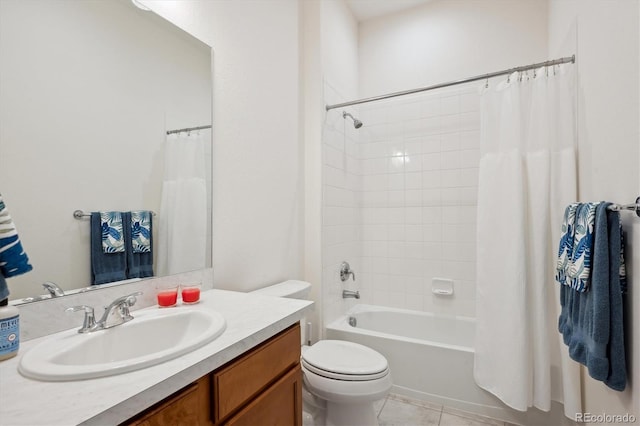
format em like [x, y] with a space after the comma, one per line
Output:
[13, 260]
[591, 322]
[623, 266]
[4, 290]
[139, 233]
[566, 244]
[112, 232]
[576, 246]
[580, 265]
[106, 267]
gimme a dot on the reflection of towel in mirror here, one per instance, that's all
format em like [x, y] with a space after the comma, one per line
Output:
[592, 322]
[112, 232]
[138, 243]
[105, 267]
[13, 260]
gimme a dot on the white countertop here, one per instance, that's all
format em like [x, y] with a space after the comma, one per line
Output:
[251, 319]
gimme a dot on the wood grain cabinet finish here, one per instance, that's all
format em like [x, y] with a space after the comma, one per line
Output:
[244, 378]
[261, 387]
[281, 404]
[188, 407]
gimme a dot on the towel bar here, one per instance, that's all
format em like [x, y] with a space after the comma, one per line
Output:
[635, 207]
[79, 214]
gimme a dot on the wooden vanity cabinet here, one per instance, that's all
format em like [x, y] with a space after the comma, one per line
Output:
[260, 387]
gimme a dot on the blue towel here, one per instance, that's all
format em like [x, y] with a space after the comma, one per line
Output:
[105, 267]
[13, 260]
[137, 234]
[112, 232]
[141, 231]
[576, 246]
[591, 322]
[4, 290]
[565, 251]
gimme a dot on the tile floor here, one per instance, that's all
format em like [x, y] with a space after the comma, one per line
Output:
[397, 410]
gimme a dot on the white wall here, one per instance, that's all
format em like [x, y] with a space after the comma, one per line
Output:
[87, 90]
[258, 169]
[446, 40]
[604, 35]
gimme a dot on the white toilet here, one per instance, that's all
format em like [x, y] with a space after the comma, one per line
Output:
[342, 379]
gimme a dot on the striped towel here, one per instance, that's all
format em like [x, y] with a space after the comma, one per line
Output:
[13, 260]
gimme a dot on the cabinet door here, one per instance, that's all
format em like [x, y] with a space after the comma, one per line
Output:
[245, 378]
[188, 407]
[279, 405]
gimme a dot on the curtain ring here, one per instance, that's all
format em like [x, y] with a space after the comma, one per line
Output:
[486, 84]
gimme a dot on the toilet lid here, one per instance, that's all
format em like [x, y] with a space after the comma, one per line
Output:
[345, 360]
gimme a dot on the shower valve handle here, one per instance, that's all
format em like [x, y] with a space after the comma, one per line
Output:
[345, 271]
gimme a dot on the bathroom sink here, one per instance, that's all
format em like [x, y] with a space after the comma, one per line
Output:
[152, 337]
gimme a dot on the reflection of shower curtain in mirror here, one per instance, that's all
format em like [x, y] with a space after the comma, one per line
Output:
[182, 231]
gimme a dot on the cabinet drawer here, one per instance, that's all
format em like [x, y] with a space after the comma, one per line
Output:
[255, 371]
[188, 407]
[280, 405]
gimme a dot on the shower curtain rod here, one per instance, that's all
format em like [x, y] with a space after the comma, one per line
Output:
[188, 129]
[564, 60]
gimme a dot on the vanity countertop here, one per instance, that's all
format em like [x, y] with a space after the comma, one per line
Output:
[251, 319]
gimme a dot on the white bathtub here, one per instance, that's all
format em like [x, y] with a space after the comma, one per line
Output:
[430, 357]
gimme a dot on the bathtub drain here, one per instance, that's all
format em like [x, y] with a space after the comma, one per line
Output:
[353, 322]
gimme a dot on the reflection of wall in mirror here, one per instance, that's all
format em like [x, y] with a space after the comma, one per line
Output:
[87, 91]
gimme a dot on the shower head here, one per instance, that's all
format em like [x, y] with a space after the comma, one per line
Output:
[356, 123]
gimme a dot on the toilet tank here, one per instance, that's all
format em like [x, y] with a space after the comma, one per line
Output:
[292, 289]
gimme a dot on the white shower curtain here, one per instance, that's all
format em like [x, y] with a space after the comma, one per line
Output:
[528, 174]
[182, 231]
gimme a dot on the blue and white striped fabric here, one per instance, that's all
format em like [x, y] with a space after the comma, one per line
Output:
[141, 231]
[576, 246]
[13, 260]
[112, 233]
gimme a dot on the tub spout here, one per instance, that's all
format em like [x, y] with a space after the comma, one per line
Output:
[348, 293]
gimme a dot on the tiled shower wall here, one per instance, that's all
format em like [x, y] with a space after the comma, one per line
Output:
[419, 159]
[399, 201]
[340, 210]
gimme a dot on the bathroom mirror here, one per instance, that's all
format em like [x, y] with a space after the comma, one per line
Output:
[88, 90]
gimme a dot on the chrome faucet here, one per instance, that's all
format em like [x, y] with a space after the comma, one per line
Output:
[53, 289]
[115, 314]
[89, 323]
[348, 293]
[345, 271]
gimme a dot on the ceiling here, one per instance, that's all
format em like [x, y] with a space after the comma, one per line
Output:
[367, 9]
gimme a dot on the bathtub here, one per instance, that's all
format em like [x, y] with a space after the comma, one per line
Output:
[430, 355]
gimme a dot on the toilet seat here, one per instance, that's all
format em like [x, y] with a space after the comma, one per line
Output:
[342, 360]
[346, 391]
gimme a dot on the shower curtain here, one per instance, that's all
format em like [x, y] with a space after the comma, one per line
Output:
[527, 175]
[182, 233]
